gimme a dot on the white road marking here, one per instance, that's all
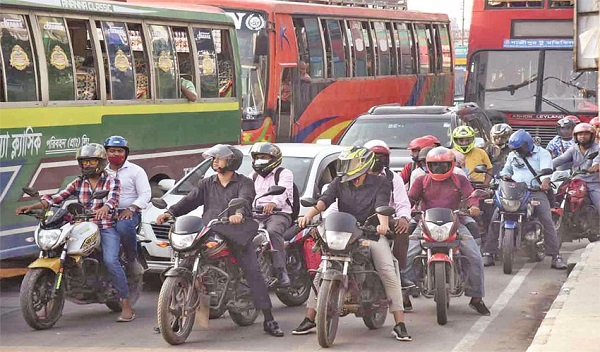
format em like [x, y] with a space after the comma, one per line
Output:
[496, 308]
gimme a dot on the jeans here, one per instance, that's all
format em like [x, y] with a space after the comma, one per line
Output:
[473, 267]
[276, 225]
[127, 231]
[594, 192]
[111, 246]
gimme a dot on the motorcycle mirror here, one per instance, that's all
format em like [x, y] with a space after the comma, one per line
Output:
[237, 203]
[480, 169]
[308, 202]
[100, 194]
[274, 191]
[159, 203]
[31, 192]
[385, 211]
[546, 172]
[478, 193]
[592, 156]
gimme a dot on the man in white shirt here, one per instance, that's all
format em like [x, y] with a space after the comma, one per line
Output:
[135, 195]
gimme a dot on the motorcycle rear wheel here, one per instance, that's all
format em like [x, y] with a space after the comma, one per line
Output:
[35, 298]
[441, 293]
[174, 322]
[245, 318]
[216, 313]
[375, 320]
[297, 293]
[508, 250]
[329, 301]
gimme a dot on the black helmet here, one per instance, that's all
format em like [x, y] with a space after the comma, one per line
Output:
[117, 142]
[233, 155]
[92, 151]
[264, 167]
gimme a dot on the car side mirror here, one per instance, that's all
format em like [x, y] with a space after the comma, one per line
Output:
[385, 211]
[308, 202]
[480, 169]
[100, 194]
[159, 203]
[166, 184]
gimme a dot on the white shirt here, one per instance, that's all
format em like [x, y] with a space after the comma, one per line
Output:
[262, 184]
[135, 187]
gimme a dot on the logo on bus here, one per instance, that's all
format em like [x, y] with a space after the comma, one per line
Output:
[252, 21]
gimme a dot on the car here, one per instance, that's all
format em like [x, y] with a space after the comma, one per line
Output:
[397, 125]
[313, 166]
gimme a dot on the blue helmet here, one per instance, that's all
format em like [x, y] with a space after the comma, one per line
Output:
[117, 142]
[521, 142]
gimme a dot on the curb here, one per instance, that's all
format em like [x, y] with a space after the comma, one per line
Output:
[546, 329]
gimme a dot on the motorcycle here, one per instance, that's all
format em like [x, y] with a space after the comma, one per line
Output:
[205, 274]
[349, 282]
[69, 266]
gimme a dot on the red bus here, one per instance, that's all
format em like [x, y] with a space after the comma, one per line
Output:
[309, 69]
[521, 65]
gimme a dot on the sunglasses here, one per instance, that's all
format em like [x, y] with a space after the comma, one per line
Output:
[90, 162]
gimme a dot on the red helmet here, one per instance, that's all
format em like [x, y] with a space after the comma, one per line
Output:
[420, 143]
[573, 118]
[595, 121]
[440, 163]
[435, 142]
[377, 146]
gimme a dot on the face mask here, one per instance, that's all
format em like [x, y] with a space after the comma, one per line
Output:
[415, 158]
[378, 165]
[117, 159]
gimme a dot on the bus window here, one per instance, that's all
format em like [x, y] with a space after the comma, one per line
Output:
[338, 53]
[436, 46]
[359, 52]
[315, 47]
[444, 36]
[561, 3]
[226, 71]
[167, 86]
[514, 4]
[85, 61]
[302, 40]
[424, 57]
[121, 85]
[368, 40]
[61, 78]
[207, 65]
[17, 70]
[185, 59]
[140, 60]
[382, 49]
[394, 54]
[328, 55]
[404, 43]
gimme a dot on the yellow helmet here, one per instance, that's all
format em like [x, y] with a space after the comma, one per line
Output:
[354, 162]
[463, 138]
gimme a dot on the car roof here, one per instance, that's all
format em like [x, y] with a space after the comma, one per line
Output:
[300, 149]
[396, 109]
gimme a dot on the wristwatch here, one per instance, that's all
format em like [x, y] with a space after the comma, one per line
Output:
[133, 209]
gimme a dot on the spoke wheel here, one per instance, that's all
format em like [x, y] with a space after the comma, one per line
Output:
[174, 321]
[40, 310]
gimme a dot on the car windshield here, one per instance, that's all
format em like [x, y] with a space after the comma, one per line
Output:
[299, 166]
[397, 132]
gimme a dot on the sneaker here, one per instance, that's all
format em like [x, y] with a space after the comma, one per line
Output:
[406, 302]
[272, 328]
[305, 327]
[488, 259]
[400, 332]
[479, 306]
[558, 263]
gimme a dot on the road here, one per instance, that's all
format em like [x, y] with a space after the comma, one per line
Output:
[518, 303]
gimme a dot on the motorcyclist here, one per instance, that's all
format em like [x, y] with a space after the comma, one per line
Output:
[92, 162]
[596, 123]
[498, 151]
[215, 193]
[415, 146]
[441, 188]
[524, 151]
[564, 136]
[359, 193]
[463, 139]
[135, 195]
[585, 137]
[266, 160]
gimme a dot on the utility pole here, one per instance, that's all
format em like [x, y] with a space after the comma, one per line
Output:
[462, 34]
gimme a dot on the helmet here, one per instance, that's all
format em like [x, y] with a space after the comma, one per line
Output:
[500, 133]
[564, 128]
[91, 151]
[595, 121]
[585, 127]
[264, 167]
[382, 154]
[440, 163]
[420, 143]
[423, 154]
[435, 142]
[233, 155]
[573, 118]
[117, 142]
[463, 138]
[521, 142]
[354, 162]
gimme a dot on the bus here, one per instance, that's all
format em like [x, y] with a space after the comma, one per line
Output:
[75, 72]
[521, 67]
[309, 69]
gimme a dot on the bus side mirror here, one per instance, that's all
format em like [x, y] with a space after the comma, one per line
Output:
[261, 46]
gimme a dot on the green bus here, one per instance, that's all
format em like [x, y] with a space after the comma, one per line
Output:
[75, 72]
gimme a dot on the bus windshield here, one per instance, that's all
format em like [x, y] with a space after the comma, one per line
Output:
[510, 81]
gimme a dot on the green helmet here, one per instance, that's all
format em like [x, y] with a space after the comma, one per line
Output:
[463, 138]
[354, 162]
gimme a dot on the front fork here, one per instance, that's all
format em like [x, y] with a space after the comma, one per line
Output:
[451, 272]
[61, 272]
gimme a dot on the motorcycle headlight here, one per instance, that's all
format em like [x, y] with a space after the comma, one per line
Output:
[182, 242]
[511, 205]
[47, 239]
[337, 240]
[439, 233]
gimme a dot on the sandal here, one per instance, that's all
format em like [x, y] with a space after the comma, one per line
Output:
[126, 320]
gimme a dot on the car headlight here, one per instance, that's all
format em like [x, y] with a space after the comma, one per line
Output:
[337, 240]
[511, 205]
[182, 242]
[439, 233]
[47, 239]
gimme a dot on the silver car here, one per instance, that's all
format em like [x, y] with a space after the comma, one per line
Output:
[313, 166]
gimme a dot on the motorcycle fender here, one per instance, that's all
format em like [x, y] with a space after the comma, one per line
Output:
[50, 263]
[509, 224]
[439, 257]
[180, 271]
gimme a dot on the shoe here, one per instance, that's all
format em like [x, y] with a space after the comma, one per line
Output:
[305, 327]
[272, 328]
[406, 302]
[488, 259]
[283, 280]
[400, 332]
[479, 306]
[558, 263]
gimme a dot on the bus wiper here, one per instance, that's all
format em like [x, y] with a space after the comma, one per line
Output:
[556, 106]
[587, 93]
[512, 88]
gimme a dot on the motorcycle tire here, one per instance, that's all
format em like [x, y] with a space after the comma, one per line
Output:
[216, 313]
[114, 305]
[329, 301]
[135, 289]
[246, 318]
[36, 290]
[172, 299]
[535, 253]
[375, 320]
[297, 293]
[441, 293]
[508, 250]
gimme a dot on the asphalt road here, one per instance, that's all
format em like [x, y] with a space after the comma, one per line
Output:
[518, 303]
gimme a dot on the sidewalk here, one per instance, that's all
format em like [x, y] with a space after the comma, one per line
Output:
[573, 321]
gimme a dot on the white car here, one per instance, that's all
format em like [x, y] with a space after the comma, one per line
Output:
[313, 166]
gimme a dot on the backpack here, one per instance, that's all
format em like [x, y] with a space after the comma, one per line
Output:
[295, 203]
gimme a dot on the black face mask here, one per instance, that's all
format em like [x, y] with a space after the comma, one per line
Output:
[378, 165]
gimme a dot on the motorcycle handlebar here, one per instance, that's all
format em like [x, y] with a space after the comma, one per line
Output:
[259, 209]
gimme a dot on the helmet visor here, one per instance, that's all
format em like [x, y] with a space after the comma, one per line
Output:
[565, 131]
[439, 168]
[463, 142]
[220, 151]
[346, 166]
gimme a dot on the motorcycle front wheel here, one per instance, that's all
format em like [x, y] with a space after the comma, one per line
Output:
[441, 293]
[40, 310]
[329, 301]
[508, 250]
[174, 321]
